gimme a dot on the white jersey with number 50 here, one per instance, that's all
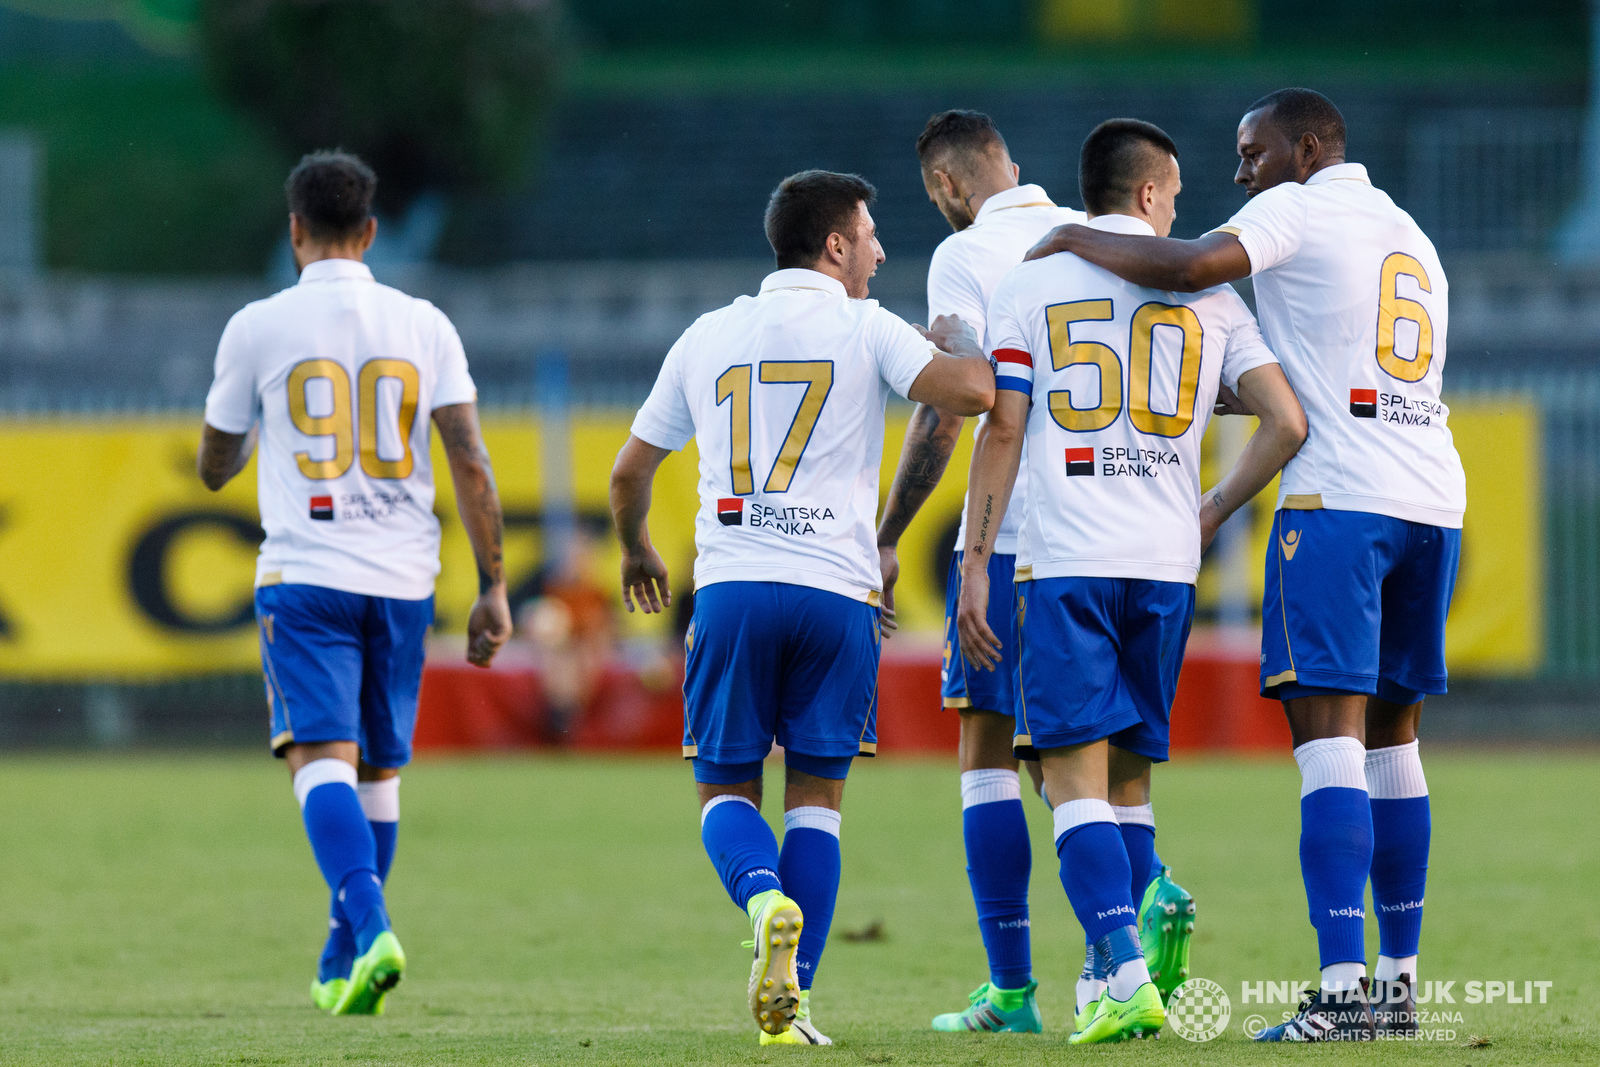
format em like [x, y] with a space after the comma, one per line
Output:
[784, 393]
[1122, 381]
[343, 374]
[1354, 301]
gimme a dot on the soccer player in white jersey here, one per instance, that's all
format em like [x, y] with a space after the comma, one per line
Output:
[1367, 536]
[1113, 385]
[339, 376]
[785, 394]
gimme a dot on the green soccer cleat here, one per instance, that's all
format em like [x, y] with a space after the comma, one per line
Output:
[375, 972]
[774, 982]
[995, 1011]
[326, 994]
[1141, 1015]
[1081, 1021]
[1166, 926]
[801, 1031]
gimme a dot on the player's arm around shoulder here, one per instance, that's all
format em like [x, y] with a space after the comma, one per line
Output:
[958, 378]
[478, 501]
[996, 455]
[1155, 262]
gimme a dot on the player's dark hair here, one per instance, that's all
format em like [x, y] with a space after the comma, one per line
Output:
[806, 207]
[332, 194]
[957, 133]
[1298, 112]
[1118, 157]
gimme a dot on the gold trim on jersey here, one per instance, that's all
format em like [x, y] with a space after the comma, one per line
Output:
[1233, 230]
[869, 748]
[1031, 203]
[270, 578]
[1023, 573]
[691, 751]
[957, 702]
[1302, 502]
[875, 598]
[1279, 679]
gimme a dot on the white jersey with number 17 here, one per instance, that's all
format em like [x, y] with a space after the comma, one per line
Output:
[784, 392]
[1122, 381]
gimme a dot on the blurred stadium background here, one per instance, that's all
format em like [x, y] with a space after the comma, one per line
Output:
[574, 185]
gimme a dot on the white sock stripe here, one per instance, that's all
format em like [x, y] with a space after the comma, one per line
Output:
[825, 819]
[1076, 813]
[723, 799]
[321, 772]
[380, 799]
[1395, 773]
[1331, 763]
[989, 786]
[1141, 815]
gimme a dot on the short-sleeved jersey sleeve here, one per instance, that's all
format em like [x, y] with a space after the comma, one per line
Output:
[1246, 350]
[454, 384]
[1007, 342]
[1270, 226]
[953, 287]
[900, 352]
[232, 403]
[666, 420]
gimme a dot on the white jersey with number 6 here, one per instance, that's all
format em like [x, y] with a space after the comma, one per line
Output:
[962, 275]
[343, 374]
[1354, 301]
[1122, 381]
[784, 392]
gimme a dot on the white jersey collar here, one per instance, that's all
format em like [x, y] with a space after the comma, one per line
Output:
[802, 278]
[1021, 196]
[1351, 172]
[1115, 223]
[328, 270]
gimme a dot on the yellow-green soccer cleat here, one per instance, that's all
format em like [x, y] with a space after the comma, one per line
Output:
[1141, 1015]
[995, 1011]
[774, 981]
[326, 994]
[376, 972]
[801, 1031]
[1166, 926]
[1081, 1021]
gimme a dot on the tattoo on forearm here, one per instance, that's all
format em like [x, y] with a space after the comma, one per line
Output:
[1216, 498]
[982, 543]
[926, 463]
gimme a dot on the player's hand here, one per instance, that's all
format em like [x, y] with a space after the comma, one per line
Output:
[889, 563]
[644, 578]
[952, 334]
[1228, 403]
[489, 626]
[1051, 243]
[978, 642]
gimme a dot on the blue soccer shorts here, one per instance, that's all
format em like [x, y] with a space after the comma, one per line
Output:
[1099, 658]
[769, 661]
[1356, 603]
[342, 667]
[960, 683]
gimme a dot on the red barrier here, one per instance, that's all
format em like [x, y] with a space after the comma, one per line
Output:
[1217, 705]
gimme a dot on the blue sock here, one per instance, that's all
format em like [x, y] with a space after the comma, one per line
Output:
[380, 798]
[385, 836]
[341, 840]
[1143, 863]
[1094, 867]
[741, 847]
[1335, 845]
[809, 869]
[999, 863]
[1402, 827]
[339, 952]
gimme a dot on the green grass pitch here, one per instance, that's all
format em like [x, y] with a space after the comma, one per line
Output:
[560, 910]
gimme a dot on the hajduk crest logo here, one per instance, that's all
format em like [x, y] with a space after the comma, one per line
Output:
[322, 508]
[1364, 403]
[730, 511]
[1080, 461]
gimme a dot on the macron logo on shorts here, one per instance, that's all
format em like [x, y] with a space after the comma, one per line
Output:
[1364, 403]
[730, 511]
[1080, 461]
[322, 508]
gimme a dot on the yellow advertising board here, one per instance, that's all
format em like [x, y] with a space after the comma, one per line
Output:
[116, 563]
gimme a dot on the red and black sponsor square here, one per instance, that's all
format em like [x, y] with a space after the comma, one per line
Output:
[1080, 461]
[322, 508]
[1364, 403]
[730, 511]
